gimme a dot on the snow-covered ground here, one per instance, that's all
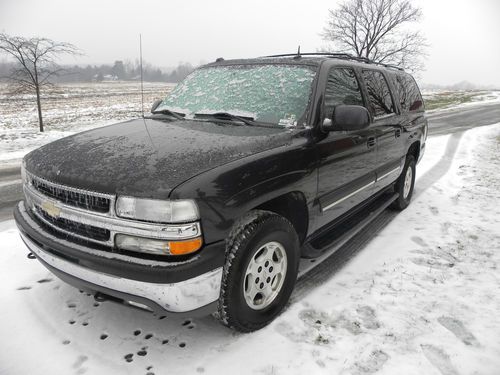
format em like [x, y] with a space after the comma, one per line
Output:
[422, 297]
[68, 109]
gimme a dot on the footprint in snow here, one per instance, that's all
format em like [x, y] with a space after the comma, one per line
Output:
[458, 329]
[368, 317]
[447, 256]
[434, 210]
[439, 359]
[419, 241]
[292, 333]
[432, 263]
[445, 227]
[42, 281]
[372, 364]
[421, 251]
[80, 361]
[364, 317]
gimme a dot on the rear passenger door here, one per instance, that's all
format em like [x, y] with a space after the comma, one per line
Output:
[411, 104]
[347, 158]
[387, 127]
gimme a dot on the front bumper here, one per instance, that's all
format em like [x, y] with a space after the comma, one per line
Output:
[180, 287]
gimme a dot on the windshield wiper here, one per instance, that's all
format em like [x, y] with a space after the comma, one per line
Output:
[168, 112]
[228, 116]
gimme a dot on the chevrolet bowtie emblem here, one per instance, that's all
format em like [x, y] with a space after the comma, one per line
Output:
[51, 209]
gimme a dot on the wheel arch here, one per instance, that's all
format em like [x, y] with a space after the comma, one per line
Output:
[293, 207]
[414, 150]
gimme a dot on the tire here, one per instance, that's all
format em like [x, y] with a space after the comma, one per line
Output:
[405, 184]
[257, 236]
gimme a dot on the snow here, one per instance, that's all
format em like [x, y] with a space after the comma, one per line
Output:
[421, 297]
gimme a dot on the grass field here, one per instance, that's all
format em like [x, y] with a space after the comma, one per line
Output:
[82, 103]
[68, 109]
[446, 99]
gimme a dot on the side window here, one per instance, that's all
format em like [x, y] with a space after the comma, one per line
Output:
[409, 94]
[379, 94]
[342, 88]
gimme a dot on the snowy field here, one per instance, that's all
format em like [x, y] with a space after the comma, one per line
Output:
[422, 297]
[68, 109]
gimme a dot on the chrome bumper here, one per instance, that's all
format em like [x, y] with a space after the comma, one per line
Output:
[178, 297]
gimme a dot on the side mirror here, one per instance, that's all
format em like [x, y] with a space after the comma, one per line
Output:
[347, 117]
[155, 105]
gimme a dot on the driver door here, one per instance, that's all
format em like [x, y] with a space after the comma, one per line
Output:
[347, 159]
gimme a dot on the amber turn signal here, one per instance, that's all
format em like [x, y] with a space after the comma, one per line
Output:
[185, 247]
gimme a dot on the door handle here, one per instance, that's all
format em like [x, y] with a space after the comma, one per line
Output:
[371, 142]
[398, 133]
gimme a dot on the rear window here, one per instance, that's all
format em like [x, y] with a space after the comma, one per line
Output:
[408, 92]
[379, 95]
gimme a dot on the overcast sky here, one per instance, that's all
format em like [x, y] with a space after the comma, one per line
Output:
[464, 35]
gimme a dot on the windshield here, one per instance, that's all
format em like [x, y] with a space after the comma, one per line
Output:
[276, 94]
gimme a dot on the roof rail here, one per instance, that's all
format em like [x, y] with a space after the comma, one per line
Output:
[345, 56]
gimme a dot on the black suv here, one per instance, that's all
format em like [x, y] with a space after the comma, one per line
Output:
[247, 175]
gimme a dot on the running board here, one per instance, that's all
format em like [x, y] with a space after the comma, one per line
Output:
[307, 265]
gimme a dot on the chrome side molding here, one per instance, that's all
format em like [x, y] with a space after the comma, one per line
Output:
[347, 196]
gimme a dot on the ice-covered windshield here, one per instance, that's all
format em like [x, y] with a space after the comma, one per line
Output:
[277, 94]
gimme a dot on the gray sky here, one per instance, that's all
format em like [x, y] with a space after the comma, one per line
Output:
[464, 35]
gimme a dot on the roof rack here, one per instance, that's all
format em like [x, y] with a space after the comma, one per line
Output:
[344, 56]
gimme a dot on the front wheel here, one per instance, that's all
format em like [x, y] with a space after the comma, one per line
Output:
[405, 184]
[262, 258]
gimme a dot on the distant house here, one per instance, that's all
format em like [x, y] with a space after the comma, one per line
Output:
[99, 77]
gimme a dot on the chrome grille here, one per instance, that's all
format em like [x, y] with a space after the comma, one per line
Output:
[70, 197]
[79, 229]
[59, 208]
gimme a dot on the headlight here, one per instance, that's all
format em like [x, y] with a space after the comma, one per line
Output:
[160, 211]
[157, 247]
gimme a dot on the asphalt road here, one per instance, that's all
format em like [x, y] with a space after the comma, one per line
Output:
[457, 120]
[444, 122]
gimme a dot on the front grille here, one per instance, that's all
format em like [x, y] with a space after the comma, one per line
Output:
[72, 198]
[88, 231]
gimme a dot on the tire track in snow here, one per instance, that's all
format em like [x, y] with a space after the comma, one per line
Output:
[440, 168]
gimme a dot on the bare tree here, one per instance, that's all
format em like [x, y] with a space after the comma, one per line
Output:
[380, 30]
[36, 63]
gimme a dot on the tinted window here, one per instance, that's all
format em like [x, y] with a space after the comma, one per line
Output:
[342, 88]
[409, 94]
[379, 94]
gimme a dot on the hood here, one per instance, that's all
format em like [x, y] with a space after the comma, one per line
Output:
[147, 157]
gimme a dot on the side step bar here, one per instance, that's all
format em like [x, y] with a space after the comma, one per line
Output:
[373, 212]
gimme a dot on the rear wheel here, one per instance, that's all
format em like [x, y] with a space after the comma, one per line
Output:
[405, 184]
[262, 258]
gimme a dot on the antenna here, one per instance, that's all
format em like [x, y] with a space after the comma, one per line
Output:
[142, 81]
[298, 55]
